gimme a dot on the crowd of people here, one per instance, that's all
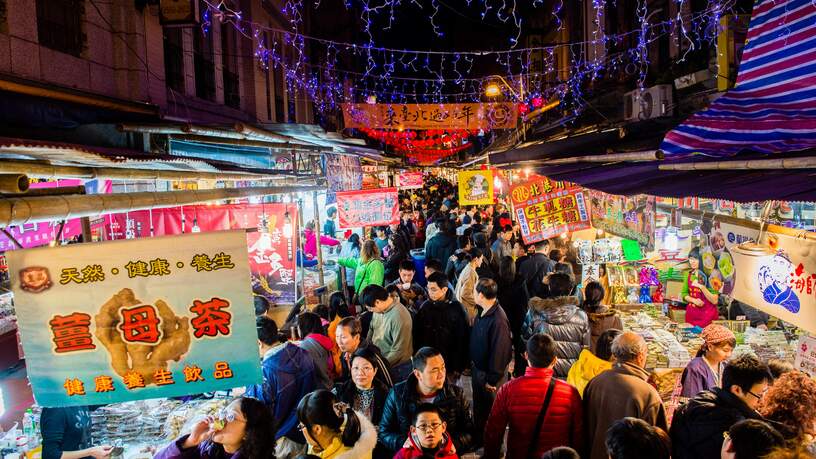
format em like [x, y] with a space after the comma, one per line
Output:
[381, 370]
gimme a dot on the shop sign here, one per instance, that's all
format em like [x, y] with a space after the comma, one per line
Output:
[178, 12]
[806, 356]
[367, 208]
[431, 116]
[129, 320]
[475, 188]
[630, 217]
[781, 280]
[544, 215]
[409, 180]
[343, 173]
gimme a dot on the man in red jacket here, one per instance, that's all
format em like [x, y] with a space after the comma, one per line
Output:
[519, 404]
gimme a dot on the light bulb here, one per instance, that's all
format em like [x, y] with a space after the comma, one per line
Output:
[288, 231]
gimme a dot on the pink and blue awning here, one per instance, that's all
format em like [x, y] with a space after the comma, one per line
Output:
[772, 108]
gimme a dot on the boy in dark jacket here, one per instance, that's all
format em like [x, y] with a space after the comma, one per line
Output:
[491, 349]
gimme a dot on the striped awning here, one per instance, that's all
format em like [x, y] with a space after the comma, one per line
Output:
[772, 108]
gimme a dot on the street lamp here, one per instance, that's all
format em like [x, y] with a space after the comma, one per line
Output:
[493, 89]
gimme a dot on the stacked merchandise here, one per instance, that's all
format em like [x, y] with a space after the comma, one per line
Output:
[8, 319]
[131, 423]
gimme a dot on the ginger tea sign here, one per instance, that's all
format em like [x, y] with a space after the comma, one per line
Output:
[136, 319]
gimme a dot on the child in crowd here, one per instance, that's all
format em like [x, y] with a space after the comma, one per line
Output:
[428, 437]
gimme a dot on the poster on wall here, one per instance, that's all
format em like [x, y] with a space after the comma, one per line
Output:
[475, 187]
[409, 180]
[806, 355]
[367, 208]
[718, 239]
[778, 276]
[375, 177]
[138, 319]
[542, 214]
[343, 173]
[630, 217]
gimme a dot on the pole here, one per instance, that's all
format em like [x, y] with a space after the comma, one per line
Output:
[302, 255]
[317, 238]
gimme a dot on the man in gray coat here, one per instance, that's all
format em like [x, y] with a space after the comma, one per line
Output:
[621, 392]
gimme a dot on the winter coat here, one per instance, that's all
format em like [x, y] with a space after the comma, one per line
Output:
[348, 251]
[371, 273]
[440, 247]
[391, 332]
[518, 403]
[500, 249]
[402, 403]
[411, 298]
[465, 290]
[446, 450]
[347, 393]
[319, 348]
[698, 426]
[616, 394]
[310, 243]
[604, 319]
[206, 450]
[362, 448]
[391, 265]
[288, 375]
[587, 367]
[491, 346]
[565, 322]
[443, 325]
[533, 270]
[698, 376]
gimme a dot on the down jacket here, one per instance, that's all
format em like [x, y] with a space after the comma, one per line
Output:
[445, 451]
[518, 404]
[402, 403]
[565, 322]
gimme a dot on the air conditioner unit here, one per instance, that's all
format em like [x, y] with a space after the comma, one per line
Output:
[651, 103]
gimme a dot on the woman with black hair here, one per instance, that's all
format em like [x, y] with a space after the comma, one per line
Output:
[701, 301]
[350, 249]
[333, 429]
[397, 252]
[243, 429]
[318, 345]
[592, 363]
[601, 317]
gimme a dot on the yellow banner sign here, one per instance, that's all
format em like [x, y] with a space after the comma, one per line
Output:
[431, 116]
[475, 188]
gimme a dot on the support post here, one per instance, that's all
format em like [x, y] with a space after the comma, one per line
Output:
[317, 237]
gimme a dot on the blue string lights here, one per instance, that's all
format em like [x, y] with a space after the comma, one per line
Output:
[442, 76]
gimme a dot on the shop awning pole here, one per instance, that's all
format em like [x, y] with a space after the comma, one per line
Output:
[288, 146]
[653, 155]
[20, 210]
[755, 164]
[318, 233]
[45, 170]
[13, 183]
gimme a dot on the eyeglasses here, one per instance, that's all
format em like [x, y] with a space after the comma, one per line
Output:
[429, 427]
[229, 416]
[363, 370]
[762, 394]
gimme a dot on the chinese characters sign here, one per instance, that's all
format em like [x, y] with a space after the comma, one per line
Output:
[127, 320]
[367, 208]
[431, 116]
[409, 180]
[779, 277]
[628, 217]
[475, 188]
[343, 173]
[544, 210]
[806, 355]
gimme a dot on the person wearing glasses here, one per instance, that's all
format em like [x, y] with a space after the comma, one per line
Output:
[697, 427]
[333, 429]
[428, 436]
[240, 430]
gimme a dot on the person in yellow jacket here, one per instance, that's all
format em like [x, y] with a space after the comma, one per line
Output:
[590, 365]
[333, 429]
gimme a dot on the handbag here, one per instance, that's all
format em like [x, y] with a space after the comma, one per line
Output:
[540, 419]
[356, 299]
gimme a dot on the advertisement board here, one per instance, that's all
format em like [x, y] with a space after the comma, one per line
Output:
[367, 208]
[475, 187]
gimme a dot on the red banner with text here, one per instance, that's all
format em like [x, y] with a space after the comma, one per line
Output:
[545, 209]
[367, 208]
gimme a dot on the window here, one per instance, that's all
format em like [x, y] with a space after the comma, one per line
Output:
[59, 25]
[229, 56]
[174, 59]
[204, 66]
[3, 17]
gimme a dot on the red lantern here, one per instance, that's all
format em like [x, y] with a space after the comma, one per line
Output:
[538, 102]
[523, 109]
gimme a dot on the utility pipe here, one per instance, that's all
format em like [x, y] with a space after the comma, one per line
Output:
[262, 134]
[756, 164]
[654, 155]
[13, 183]
[253, 143]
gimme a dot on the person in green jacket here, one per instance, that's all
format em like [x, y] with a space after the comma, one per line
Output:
[369, 270]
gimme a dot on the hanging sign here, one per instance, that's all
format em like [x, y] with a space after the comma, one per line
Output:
[778, 276]
[543, 215]
[409, 180]
[630, 217]
[475, 188]
[431, 116]
[128, 320]
[178, 12]
[367, 208]
[806, 355]
[343, 173]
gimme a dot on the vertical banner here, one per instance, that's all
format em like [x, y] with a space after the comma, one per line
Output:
[475, 188]
[778, 276]
[544, 211]
[129, 320]
[409, 180]
[367, 208]
[630, 217]
[343, 173]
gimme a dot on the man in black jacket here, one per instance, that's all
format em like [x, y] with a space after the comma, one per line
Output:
[697, 427]
[491, 349]
[442, 323]
[535, 268]
[427, 384]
